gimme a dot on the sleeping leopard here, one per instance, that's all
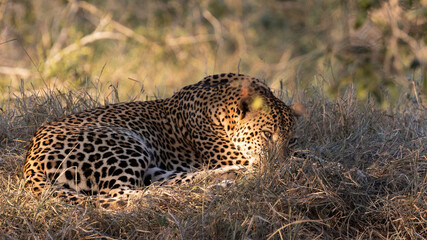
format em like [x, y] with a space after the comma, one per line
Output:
[222, 123]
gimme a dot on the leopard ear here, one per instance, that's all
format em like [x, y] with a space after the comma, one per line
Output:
[298, 109]
[244, 107]
[244, 101]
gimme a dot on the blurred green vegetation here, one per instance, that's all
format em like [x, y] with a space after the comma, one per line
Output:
[379, 47]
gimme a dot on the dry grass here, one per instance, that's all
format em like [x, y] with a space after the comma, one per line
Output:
[370, 183]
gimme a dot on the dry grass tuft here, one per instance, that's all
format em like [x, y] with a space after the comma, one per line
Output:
[369, 182]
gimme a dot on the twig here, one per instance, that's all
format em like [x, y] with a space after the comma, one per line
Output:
[15, 71]
[190, 39]
[10, 40]
[117, 26]
[417, 47]
[95, 36]
[216, 25]
[64, 33]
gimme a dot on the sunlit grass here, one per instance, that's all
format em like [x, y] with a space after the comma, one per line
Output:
[368, 182]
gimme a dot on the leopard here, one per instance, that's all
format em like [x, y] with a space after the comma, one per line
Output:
[222, 123]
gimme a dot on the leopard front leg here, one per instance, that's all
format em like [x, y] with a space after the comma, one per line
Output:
[216, 150]
[159, 176]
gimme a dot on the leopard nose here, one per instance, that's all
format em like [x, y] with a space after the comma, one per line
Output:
[276, 138]
[286, 152]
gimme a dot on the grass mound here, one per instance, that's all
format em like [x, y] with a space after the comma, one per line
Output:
[369, 181]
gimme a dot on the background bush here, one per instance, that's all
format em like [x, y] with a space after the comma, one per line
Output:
[379, 46]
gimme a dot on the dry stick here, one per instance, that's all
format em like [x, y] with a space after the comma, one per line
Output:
[417, 47]
[95, 36]
[190, 39]
[117, 26]
[10, 40]
[63, 34]
[398, 33]
[141, 39]
[216, 25]
[23, 72]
